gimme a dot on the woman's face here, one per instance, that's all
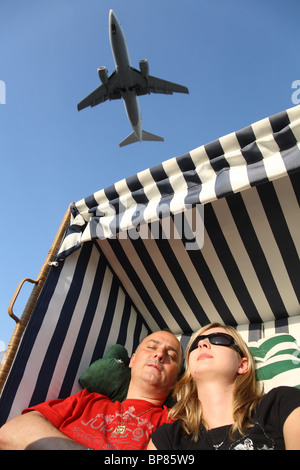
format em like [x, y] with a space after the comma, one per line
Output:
[209, 361]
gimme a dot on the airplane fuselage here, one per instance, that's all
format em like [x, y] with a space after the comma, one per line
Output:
[123, 65]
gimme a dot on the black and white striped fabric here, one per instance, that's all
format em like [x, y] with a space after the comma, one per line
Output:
[213, 235]
[80, 313]
[262, 152]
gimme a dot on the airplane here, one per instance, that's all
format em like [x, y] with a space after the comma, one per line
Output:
[128, 83]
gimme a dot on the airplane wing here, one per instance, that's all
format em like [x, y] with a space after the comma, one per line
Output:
[102, 93]
[155, 85]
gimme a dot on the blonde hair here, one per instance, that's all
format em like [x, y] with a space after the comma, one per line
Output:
[246, 395]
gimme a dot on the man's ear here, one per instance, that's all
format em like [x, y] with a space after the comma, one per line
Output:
[131, 361]
[243, 368]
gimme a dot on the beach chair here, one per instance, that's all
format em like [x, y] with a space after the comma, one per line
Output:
[212, 235]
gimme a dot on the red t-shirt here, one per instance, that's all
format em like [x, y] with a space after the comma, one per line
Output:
[91, 419]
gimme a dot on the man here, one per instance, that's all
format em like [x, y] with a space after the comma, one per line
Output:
[92, 421]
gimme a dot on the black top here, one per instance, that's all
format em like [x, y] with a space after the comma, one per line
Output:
[266, 434]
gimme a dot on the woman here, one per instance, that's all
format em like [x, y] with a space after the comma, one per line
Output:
[219, 402]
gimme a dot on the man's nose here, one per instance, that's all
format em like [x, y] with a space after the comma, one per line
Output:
[159, 356]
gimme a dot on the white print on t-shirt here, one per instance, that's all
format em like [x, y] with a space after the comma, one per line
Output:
[247, 444]
[97, 432]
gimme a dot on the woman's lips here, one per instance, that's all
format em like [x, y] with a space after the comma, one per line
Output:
[204, 356]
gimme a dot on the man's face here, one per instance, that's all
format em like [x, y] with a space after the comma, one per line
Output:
[157, 360]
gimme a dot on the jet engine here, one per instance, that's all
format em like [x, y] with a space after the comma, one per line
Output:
[144, 68]
[103, 75]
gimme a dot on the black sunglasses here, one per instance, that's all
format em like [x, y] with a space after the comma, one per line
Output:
[218, 339]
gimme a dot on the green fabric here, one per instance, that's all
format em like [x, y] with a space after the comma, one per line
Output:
[265, 346]
[277, 360]
[269, 371]
[110, 375]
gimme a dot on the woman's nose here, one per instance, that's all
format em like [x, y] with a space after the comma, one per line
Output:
[204, 343]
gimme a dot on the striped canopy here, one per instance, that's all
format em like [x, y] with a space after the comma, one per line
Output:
[241, 265]
[212, 235]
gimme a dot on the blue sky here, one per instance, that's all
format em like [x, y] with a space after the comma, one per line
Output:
[239, 59]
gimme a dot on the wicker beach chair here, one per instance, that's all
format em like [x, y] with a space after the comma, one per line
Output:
[212, 235]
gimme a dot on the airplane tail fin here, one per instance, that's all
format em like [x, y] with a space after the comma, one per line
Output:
[146, 136]
[151, 137]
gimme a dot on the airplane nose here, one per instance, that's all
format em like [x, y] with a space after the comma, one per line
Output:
[112, 16]
[113, 22]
